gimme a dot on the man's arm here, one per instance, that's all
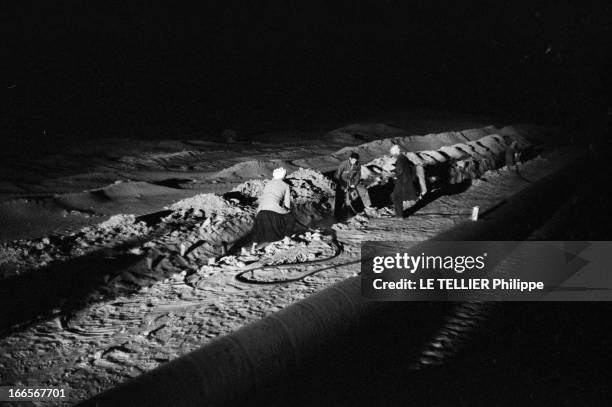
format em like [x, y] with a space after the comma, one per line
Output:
[421, 175]
[287, 198]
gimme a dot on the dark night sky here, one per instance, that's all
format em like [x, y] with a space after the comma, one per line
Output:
[76, 67]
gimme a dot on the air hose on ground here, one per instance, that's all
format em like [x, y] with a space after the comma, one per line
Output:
[243, 279]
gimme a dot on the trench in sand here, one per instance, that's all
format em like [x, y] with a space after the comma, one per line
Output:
[127, 252]
[215, 310]
[90, 317]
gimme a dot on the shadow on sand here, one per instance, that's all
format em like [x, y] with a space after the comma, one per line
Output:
[66, 286]
[57, 289]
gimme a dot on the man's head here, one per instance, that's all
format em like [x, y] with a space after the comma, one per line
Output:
[395, 150]
[354, 158]
[279, 173]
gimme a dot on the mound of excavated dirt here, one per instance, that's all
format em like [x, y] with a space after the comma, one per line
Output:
[313, 177]
[252, 169]
[116, 223]
[252, 188]
[21, 255]
[208, 203]
[307, 185]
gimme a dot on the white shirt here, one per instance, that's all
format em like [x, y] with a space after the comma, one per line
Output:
[276, 197]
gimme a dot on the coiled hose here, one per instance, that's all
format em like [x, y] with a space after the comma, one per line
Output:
[241, 277]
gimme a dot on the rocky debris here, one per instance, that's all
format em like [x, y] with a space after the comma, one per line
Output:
[384, 212]
[21, 255]
[117, 228]
[357, 222]
[252, 188]
[208, 203]
[299, 249]
[196, 234]
[308, 246]
[10, 257]
[307, 185]
[310, 176]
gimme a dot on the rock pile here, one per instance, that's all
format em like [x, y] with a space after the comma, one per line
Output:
[307, 246]
[252, 188]
[307, 185]
[22, 255]
[209, 203]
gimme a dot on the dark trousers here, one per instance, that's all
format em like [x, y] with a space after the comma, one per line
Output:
[398, 204]
[271, 226]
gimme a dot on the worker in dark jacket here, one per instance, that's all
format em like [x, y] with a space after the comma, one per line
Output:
[409, 182]
[350, 195]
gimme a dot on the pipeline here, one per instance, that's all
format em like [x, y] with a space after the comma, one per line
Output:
[264, 361]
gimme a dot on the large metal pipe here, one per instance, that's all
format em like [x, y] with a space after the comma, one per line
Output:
[248, 364]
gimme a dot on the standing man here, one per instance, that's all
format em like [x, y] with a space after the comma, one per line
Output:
[409, 182]
[348, 178]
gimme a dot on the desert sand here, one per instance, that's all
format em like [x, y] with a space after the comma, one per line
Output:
[112, 272]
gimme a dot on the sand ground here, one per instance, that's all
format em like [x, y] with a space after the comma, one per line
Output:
[111, 335]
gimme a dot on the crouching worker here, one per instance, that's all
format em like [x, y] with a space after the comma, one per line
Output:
[351, 196]
[409, 182]
[274, 220]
